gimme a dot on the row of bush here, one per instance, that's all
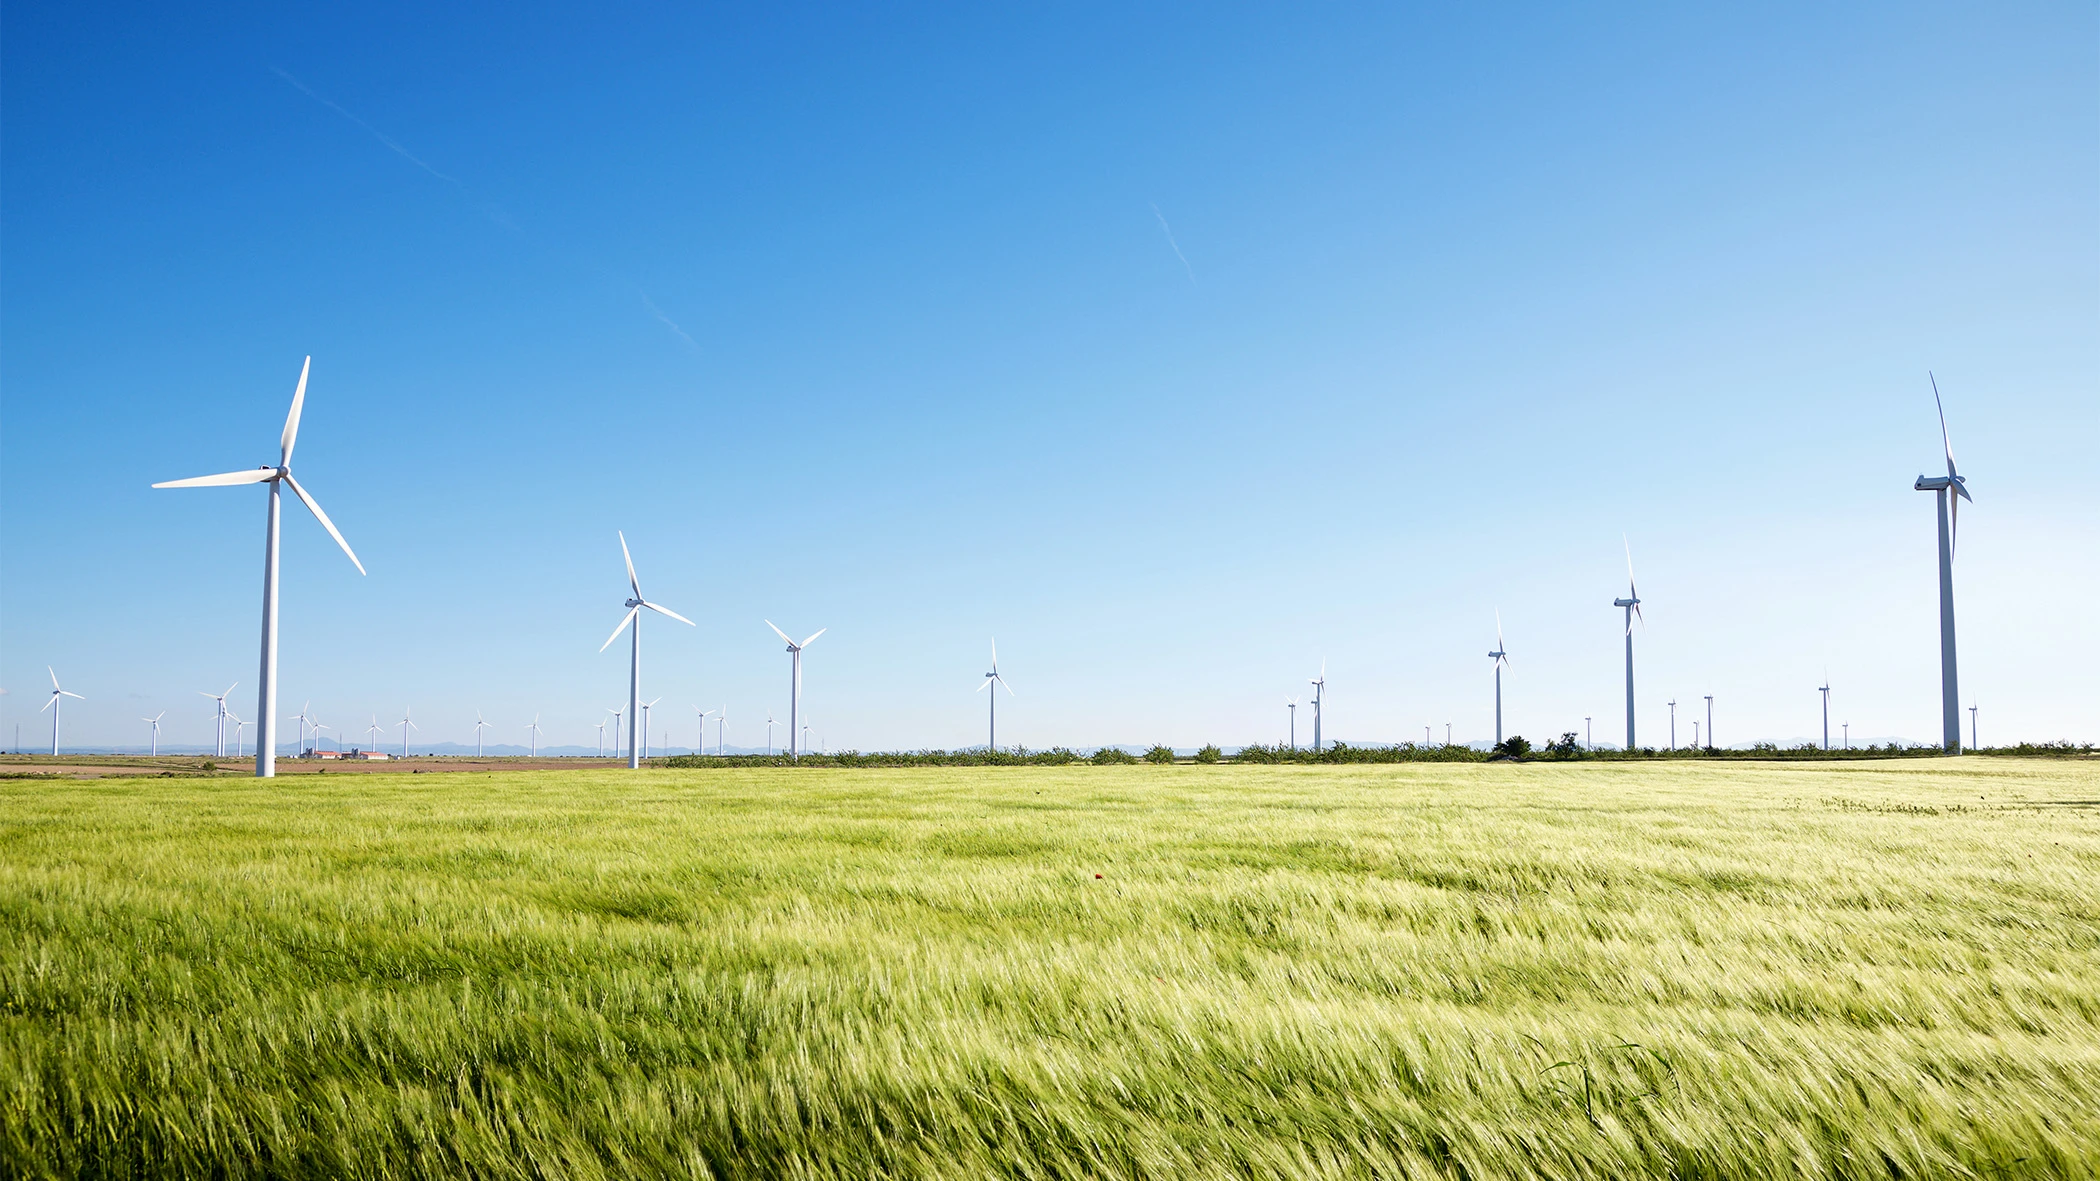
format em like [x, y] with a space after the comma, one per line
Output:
[1515, 748]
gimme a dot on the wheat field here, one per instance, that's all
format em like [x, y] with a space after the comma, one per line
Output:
[1705, 970]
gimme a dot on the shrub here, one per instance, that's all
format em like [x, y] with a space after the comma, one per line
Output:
[1564, 747]
[1108, 755]
[1513, 747]
[1160, 754]
[1209, 754]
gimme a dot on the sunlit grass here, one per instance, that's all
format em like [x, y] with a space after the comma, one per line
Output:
[1708, 970]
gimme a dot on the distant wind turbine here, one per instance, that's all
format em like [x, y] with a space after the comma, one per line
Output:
[617, 715]
[1709, 721]
[795, 689]
[479, 726]
[372, 733]
[240, 736]
[532, 748]
[1319, 685]
[995, 682]
[57, 699]
[1973, 744]
[700, 720]
[221, 714]
[646, 706]
[1950, 514]
[266, 689]
[1632, 604]
[1824, 689]
[770, 723]
[601, 740]
[1673, 723]
[302, 719]
[721, 728]
[406, 726]
[1291, 704]
[154, 721]
[1501, 657]
[634, 666]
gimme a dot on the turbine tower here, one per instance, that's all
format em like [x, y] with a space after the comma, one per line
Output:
[1824, 689]
[634, 666]
[601, 740]
[532, 748]
[1500, 657]
[795, 691]
[1632, 604]
[240, 735]
[372, 733]
[1291, 704]
[721, 728]
[479, 726]
[617, 715]
[700, 721]
[1673, 723]
[275, 477]
[1319, 685]
[770, 723]
[995, 682]
[221, 715]
[406, 726]
[154, 721]
[57, 696]
[1709, 721]
[1951, 489]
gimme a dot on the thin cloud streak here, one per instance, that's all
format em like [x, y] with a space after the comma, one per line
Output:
[377, 134]
[1176, 245]
[668, 321]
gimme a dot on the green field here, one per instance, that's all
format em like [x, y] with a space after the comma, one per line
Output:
[1686, 970]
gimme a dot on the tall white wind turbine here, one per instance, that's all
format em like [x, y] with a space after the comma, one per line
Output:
[700, 721]
[154, 721]
[795, 689]
[634, 667]
[479, 726]
[1319, 700]
[994, 682]
[601, 740]
[221, 714]
[406, 726]
[770, 723]
[617, 714]
[1632, 604]
[1291, 704]
[266, 689]
[372, 733]
[57, 699]
[240, 735]
[532, 749]
[1500, 657]
[1824, 689]
[1952, 489]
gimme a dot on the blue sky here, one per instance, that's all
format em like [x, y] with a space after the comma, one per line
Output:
[1179, 349]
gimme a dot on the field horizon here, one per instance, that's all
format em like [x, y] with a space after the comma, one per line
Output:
[1556, 970]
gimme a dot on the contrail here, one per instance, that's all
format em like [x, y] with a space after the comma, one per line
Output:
[668, 321]
[377, 134]
[1170, 241]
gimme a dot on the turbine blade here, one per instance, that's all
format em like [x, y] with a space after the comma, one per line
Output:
[54, 675]
[291, 421]
[783, 635]
[315, 508]
[1003, 685]
[70, 693]
[660, 609]
[632, 581]
[813, 637]
[624, 621]
[1945, 442]
[981, 685]
[254, 475]
[231, 688]
[49, 702]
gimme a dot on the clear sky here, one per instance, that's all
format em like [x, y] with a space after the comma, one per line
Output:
[1180, 348]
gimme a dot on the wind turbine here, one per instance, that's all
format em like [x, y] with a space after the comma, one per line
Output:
[479, 726]
[992, 679]
[1848, 735]
[1709, 721]
[1673, 723]
[57, 694]
[770, 723]
[1824, 689]
[645, 726]
[700, 719]
[240, 735]
[1973, 744]
[532, 748]
[372, 733]
[795, 692]
[406, 725]
[721, 728]
[634, 666]
[302, 719]
[1319, 685]
[154, 721]
[601, 740]
[1950, 514]
[1500, 657]
[1291, 704]
[221, 716]
[266, 689]
[617, 715]
[1632, 604]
